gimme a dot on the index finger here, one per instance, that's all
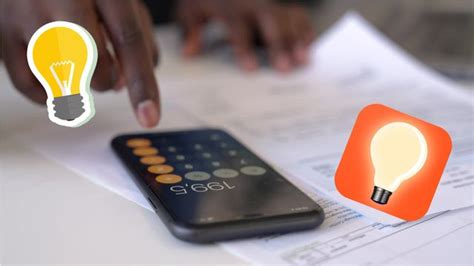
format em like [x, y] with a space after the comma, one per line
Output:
[122, 22]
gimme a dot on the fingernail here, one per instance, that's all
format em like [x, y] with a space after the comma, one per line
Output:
[301, 55]
[190, 49]
[148, 114]
[282, 63]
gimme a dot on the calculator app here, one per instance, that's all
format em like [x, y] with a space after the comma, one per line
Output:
[206, 176]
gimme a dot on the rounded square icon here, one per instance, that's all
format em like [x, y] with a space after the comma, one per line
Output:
[393, 162]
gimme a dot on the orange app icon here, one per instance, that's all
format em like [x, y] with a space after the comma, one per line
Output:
[393, 162]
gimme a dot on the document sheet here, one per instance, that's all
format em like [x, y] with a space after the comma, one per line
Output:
[346, 237]
[300, 123]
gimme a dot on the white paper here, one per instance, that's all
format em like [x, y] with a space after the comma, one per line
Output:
[301, 123]
[86, 150]
[346, 237]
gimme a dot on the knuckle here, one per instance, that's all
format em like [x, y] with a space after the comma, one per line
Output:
[129, 33]
[81, 14]
[136, 89]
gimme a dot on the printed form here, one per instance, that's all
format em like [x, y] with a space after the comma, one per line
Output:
[300, 124]
[359, 67]
[347, 237]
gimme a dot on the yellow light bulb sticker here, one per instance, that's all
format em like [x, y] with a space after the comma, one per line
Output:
[398, 151]
[63, 56]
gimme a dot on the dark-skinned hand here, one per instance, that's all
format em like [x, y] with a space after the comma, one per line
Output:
[285, 29]
[125, 25]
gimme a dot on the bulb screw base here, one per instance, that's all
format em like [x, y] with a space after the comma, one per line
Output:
[68, 107]
[381, 195]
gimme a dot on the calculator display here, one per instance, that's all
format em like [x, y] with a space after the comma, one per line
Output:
[207, 176]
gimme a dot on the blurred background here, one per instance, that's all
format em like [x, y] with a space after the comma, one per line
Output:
[438, 32]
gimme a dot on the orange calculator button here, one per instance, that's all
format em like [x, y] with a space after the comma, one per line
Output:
[151, 160]
[138, 142]
[168, 179]
[160, 169]
[147, 151]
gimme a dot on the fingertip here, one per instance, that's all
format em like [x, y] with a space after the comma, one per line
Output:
[282, 63]
[120, 84]
[39, 98]
[300, 53]
[248, 63]
[148, 113]
[190, 49]
[192, 43]
[105, 76]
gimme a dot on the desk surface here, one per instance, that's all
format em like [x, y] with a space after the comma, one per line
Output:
[52, 215]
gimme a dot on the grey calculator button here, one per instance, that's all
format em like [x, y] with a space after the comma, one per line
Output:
[180, 157]
[232, 152]
[216, 164]
[172, 149]
[188, 166]
[215, 137]
[206, 155]
[253, 170]
[225, 173]
[197, 176]
[198, 147]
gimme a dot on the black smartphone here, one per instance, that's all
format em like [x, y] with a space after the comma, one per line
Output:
[206, 186]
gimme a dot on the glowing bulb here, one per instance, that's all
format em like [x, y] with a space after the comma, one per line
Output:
[63, 56]
[398, 151]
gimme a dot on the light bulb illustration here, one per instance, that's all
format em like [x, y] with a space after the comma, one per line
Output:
[398, 151]
[63, 56]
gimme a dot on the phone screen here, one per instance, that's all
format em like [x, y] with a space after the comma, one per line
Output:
[207, 176]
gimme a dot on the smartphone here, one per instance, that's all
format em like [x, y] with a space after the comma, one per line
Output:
[206, 186]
